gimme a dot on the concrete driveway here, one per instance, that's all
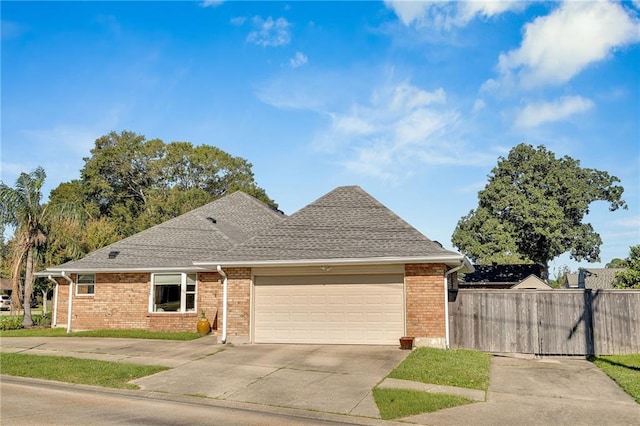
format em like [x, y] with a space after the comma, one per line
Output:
[334, 379]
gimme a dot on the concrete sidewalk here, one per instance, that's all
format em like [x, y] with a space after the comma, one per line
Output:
[558, 391]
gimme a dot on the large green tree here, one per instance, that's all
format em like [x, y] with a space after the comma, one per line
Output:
[21, 209]
[630, 277]
[532, 209]
[136, 183]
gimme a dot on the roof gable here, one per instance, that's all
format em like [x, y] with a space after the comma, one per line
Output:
[346, 223]
[211, 229]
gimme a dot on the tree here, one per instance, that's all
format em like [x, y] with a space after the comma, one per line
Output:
[630, 277]
[616, 263]
[137, 183]
[20, 208]
[534, 205]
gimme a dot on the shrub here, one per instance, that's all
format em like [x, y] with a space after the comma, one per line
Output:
[12, 322]
[43, 320]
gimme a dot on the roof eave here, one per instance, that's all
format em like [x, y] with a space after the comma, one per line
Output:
[57, 272]
[449, 260]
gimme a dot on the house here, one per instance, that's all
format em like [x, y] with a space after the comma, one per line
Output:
[343, 270]
[593, 278]
[532, 282]
[499, 276]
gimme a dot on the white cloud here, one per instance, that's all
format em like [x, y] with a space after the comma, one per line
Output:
[478, 105]
[238, 20]
[270, 32]
[445, 15]
[536, 114]
[402, 129]
[558, 46]
[629, 222]
[211, 3]
[298, 60]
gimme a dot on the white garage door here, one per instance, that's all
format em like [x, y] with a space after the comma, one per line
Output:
[339, 309]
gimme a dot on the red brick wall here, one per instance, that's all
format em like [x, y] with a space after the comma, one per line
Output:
[425, 300]
[238, 302]
[121, 301]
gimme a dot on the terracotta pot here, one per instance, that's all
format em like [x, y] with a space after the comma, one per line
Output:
[203, 326]
[406, 343]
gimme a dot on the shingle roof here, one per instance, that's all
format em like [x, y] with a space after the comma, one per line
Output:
[179, 241]
[597, 278]
[346, 223]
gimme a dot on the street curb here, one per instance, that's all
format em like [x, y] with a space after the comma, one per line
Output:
[202, 401]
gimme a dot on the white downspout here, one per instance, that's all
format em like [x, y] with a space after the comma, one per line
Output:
[54, 319]
[446, 301]
[224, 303]
[70, 300]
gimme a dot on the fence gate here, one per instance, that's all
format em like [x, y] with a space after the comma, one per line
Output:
[546, 322]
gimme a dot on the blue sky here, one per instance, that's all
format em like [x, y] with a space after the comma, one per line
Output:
[413, 101]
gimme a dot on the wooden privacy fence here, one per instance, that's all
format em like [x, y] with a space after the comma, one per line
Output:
[546, 322]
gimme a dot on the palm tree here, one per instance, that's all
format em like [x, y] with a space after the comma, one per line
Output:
[20, 208]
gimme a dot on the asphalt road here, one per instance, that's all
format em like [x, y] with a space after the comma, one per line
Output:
[51, 403]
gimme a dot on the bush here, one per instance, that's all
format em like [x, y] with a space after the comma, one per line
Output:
[43, 320]
[12, 322]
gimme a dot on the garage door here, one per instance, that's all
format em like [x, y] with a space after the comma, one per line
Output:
[338, 309]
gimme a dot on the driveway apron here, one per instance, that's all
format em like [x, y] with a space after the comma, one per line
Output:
[559, 391]
[335, 379]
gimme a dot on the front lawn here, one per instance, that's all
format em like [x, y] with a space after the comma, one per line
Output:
[75, 370]
[396, 403]
[624, 369]
[454, 367]
[125, 334]
[458, 368]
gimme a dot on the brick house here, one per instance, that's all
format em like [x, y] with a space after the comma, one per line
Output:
[342, 270]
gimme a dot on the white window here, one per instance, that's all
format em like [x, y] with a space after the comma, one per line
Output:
[86, 285]
[174, 292]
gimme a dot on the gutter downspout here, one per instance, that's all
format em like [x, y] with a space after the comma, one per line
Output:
[224, 303]
[54, 320]
[70, 300]
[446, 300]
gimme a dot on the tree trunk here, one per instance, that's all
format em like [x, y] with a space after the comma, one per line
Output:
[15, 286]
[28, 289]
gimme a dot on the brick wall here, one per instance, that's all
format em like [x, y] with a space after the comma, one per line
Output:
[239, 304]
[121, 301]
[425, 301]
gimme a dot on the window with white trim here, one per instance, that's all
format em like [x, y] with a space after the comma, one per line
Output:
[85, 285]
[175, 292]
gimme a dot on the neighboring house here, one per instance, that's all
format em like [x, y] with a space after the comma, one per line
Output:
[532, 282]
[6, 286]
[593, 278]
[344, 269]
[499, 276]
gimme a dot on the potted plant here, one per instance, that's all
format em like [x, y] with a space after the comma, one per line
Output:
[203, 326]
[406, 342]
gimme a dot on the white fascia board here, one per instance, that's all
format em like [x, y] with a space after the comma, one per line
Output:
[58, 272]
[451, 260]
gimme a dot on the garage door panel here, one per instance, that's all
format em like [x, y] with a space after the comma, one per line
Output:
[338, 309]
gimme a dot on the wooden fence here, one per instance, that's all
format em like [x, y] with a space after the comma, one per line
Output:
[546, 322]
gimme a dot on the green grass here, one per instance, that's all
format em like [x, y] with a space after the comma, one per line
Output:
[129, 334]
[624, 369]
[395, 403]
[461, 368]
[75, 370]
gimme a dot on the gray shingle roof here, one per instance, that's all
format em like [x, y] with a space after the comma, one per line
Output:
[346, 223]
[597, 278]
[179, 241]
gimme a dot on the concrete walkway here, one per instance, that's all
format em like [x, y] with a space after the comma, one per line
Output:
[558, 391]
